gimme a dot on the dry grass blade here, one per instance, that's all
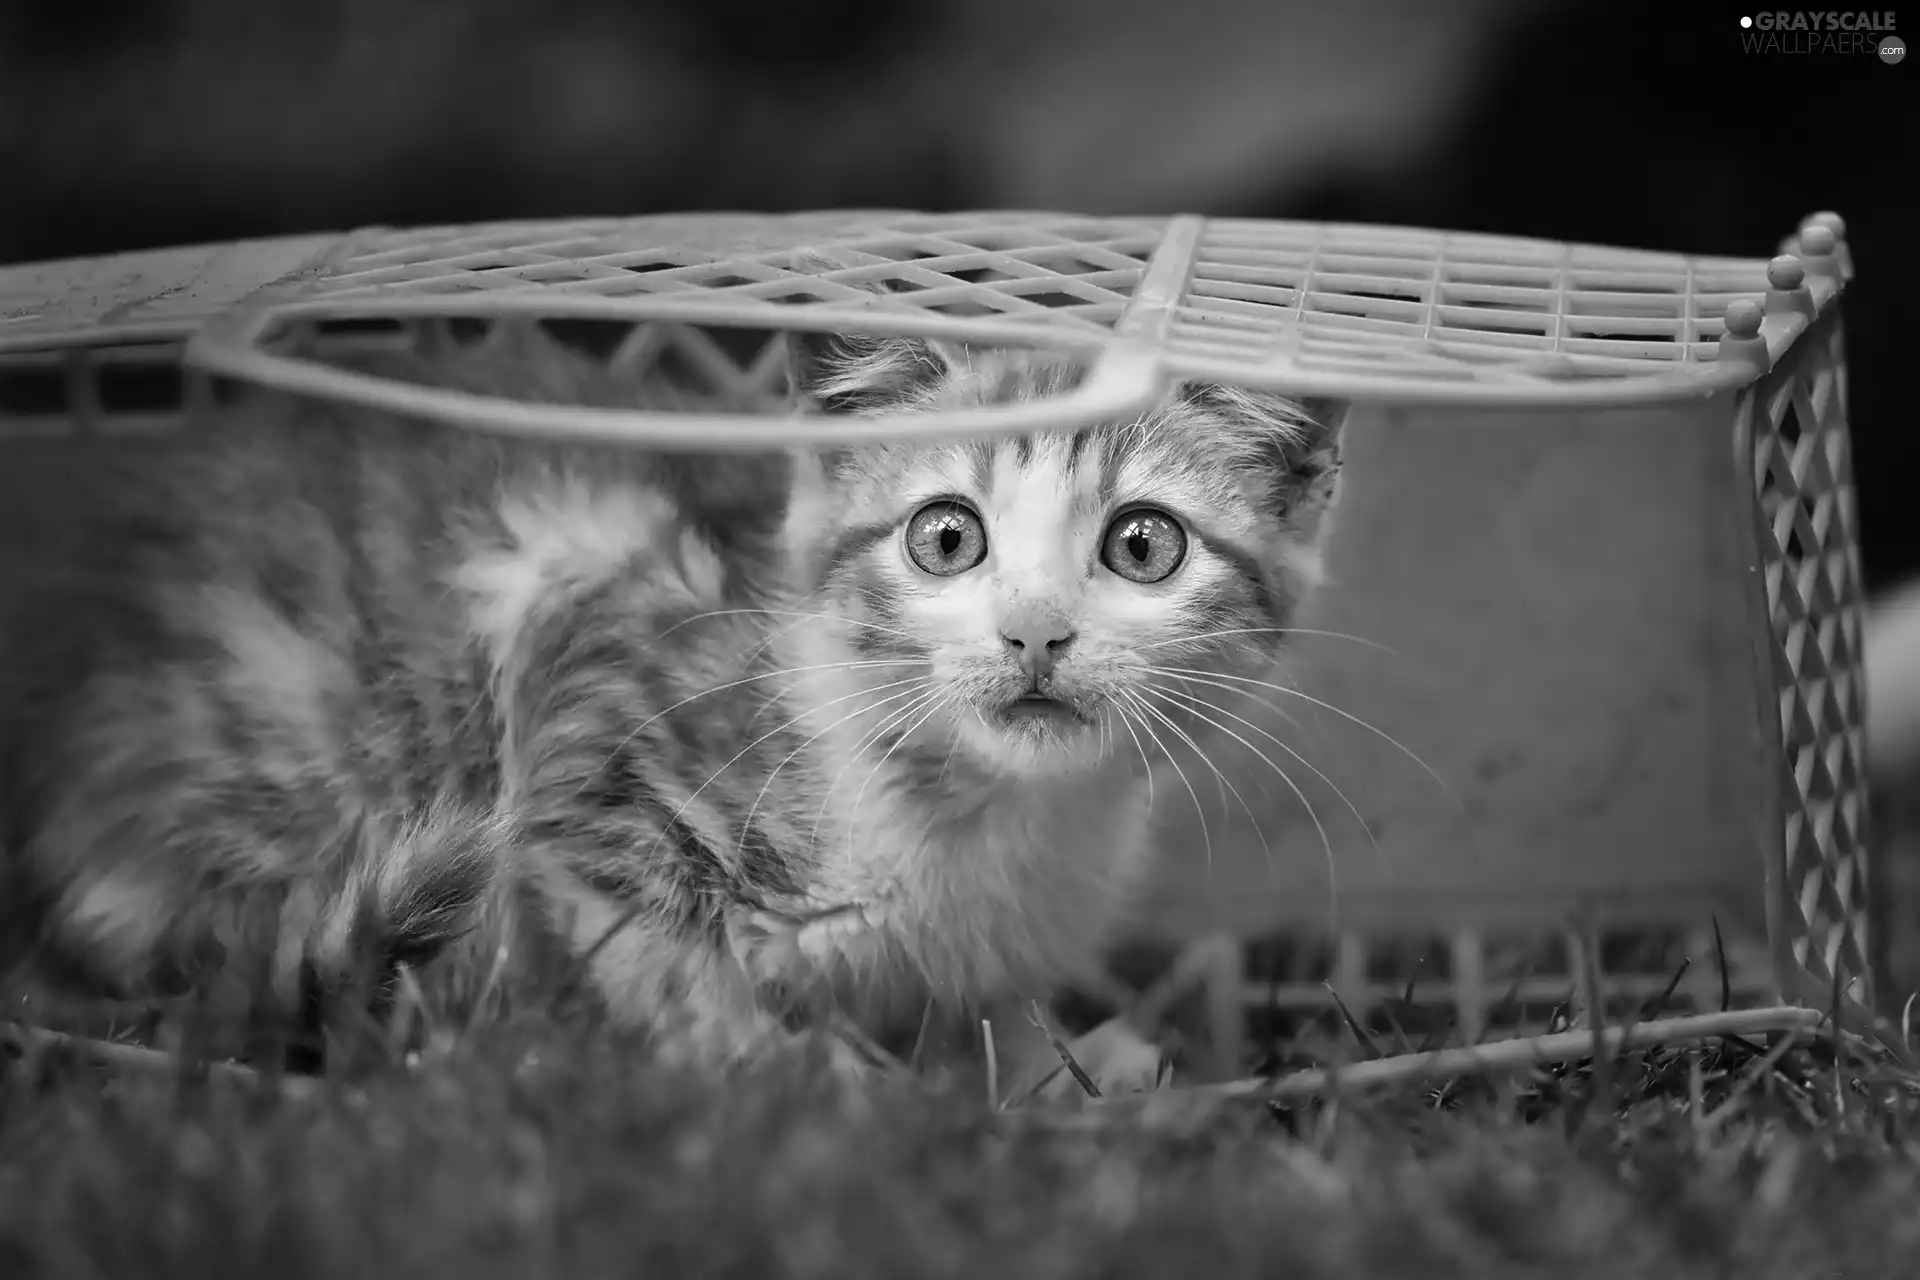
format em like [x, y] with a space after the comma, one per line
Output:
[918, 1058]
[1696, 1099]
[1759, 1071]
[1521, 1054]
[1085, 1081]
[1655, 1006]
[1593, 998]
[1366, 1042]
[993, 1062]
[1726, 974]
[862, 1044]
[1033, 1090]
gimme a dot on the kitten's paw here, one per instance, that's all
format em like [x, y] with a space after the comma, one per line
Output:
[1117, 1059]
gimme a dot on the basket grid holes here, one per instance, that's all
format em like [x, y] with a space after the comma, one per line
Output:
[1803, 492]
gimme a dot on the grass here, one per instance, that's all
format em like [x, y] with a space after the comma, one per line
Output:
[543, 1148]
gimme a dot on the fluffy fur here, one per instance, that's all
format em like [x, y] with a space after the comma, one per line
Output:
[307, 684]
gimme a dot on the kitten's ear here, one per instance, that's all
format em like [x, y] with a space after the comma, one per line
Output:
[856, 373]
[1304, 438]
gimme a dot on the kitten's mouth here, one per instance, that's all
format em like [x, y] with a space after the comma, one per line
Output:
[1038, 708]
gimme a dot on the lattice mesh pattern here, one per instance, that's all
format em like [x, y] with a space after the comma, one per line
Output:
[1473, 985]
[1808, 530]
[1213, 297]
[1420, 303]
[712, 368]
[138, 387]
[131, 387]
[1073, 271]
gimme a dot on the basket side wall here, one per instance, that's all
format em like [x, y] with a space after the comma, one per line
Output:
[1564, 594]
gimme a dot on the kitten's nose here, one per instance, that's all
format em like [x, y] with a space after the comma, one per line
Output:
[1036, 644]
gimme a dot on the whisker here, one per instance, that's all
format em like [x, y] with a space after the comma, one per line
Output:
[742, 753]
[779, 633]
[1177, 674]
[861, 664]
[1326, 841]
[774, 636]
[1206, 837]
[1343, 714]
[917, 700]
[634, 910]
[1225, 782]
[873, 736]
[953, 745]
[919, 684]
[1127, 724]
[853, 814]
[1389, 650]
[1304, 762]
[781, 613]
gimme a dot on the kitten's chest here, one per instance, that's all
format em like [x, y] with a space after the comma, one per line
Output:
[978, 895]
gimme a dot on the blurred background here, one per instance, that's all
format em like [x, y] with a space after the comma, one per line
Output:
[130, 124]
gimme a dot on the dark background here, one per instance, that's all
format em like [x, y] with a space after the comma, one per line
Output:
[135, 123]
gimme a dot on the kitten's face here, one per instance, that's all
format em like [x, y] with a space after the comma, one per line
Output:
[1062, 592]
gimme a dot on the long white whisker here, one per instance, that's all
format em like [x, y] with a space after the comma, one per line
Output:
[1266, 734]
[853, 814]
[1305, 763]
[775, 635]
[1326, 841]
[742, 753]
[779, 633]
[1343, 714]
[862, 664]
[1179, 675]
[918, 684]
[899, 716]
[1219, 778]
[953, 745]
[781, 613]
[1273, 631]
[1225, 782]
[1206, 837]
[1126, 723]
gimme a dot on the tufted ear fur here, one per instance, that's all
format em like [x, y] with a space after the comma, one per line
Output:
[859, 373]
[1300, 447]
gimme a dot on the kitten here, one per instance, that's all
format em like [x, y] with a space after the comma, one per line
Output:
[748, 741]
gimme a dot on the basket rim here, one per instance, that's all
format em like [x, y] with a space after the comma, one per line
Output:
[1352, 311]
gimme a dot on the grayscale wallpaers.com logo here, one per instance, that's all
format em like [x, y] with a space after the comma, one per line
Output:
[1829, 31]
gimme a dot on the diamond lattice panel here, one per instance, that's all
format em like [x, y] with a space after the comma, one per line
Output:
[1318, 299]
[1072, 271]
[688, 366]
[1808, 532]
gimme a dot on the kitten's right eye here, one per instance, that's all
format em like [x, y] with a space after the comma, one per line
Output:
[945, 538]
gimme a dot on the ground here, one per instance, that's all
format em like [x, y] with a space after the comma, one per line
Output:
[537, 1150]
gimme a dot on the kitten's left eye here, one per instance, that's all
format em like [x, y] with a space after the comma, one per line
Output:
[946, 538]
[1144, 545]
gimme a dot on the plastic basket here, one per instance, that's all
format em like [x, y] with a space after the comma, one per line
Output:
[1719, 382]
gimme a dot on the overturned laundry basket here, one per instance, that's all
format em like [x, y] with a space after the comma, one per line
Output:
[1586, 671]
